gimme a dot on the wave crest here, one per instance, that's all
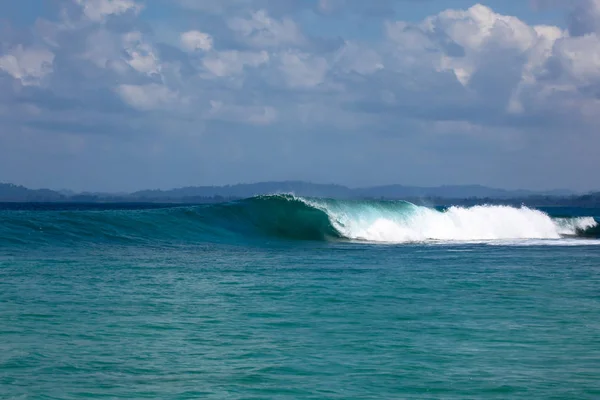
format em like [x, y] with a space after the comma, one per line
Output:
[414, 223]
[290, 217]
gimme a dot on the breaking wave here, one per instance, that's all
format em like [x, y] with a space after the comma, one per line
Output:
[291, 217]
[400, 222]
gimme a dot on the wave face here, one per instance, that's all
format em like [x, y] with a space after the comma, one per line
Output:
[290, 217]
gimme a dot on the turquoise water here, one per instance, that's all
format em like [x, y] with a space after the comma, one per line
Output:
[214, 302]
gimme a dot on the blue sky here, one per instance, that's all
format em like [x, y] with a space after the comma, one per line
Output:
[119, 95]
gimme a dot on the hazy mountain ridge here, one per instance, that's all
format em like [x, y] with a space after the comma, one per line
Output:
[11, 192]
[338, 191]
[252, 189]
[199, 194]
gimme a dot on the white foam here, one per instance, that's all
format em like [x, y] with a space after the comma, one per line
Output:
[411, 223]
[565, 242]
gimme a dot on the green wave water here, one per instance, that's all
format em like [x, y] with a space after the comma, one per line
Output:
[289, 217]
[281, 297]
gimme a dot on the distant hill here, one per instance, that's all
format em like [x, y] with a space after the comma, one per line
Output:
[11, 192]
[248, 190]
[453, 192]
[341, 192]
[204, 194]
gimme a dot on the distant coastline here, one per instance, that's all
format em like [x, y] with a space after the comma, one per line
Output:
[465, 195]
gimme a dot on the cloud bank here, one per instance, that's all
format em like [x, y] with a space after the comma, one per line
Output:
[126, 94]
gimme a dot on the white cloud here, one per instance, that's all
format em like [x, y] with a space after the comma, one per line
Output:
[233, 62]
[483, 34]
[358, 58]
[580, 57]
[121, 53]
[214, 6]
[148, 97]
[102, 47]
[527, 67]
[472, 74]
[260, 30]
[99, 10]
[196, 40]
[302, 70]
[141, 55]
[27, 65]
[460, 40]
[479, 27]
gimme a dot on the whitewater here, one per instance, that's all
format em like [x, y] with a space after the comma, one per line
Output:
[401, 222]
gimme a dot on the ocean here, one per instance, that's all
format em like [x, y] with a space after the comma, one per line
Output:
[283, 297]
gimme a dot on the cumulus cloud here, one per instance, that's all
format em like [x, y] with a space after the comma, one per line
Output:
[353, 57]
[509, 65]
[148, 97]
[196, 40]
[468, 79]
[102, 48]
[260, 30]
[302, 70]
[140, 55]
[99, 10]
[28, 65]
[461, 40]
[233, 62]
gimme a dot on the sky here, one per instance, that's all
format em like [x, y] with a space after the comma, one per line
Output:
[121, 95]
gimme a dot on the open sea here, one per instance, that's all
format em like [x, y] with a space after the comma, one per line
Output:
[282, 297]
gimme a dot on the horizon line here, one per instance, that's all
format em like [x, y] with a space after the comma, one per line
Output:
[296, 181]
